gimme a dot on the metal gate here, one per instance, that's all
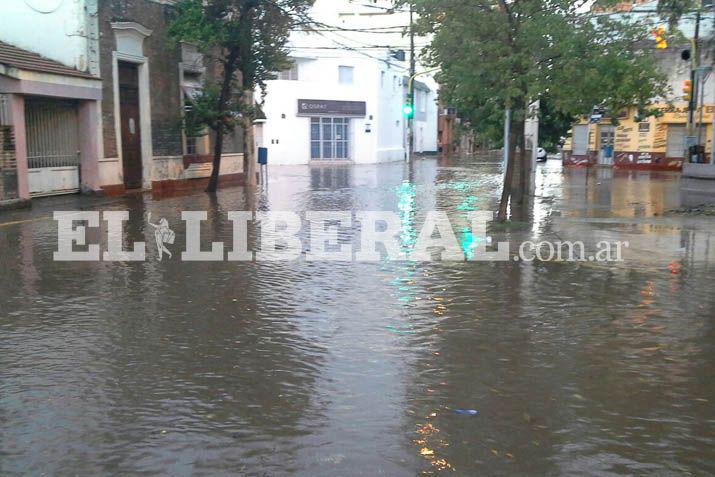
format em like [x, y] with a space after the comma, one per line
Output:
[329, 138]
[52, 146]
[8, 158]
[580, 140]
[607, 141]
[676, 141]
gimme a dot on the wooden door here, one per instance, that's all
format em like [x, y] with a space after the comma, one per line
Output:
[131, 130]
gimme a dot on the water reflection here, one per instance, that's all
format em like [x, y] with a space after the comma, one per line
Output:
[322, 369]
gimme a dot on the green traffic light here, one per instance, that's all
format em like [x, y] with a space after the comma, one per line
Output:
[408, 110]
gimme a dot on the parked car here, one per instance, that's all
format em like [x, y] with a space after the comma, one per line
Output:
[541, 155]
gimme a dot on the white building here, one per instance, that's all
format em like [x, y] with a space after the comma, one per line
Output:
[343, 99]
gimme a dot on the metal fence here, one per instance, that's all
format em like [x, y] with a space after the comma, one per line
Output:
[8, 164]
[52, 133]
[4, 110]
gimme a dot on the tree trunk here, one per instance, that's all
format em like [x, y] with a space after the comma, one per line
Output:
[249, 144]
[229, 69]
[216, 171]
[506, 191]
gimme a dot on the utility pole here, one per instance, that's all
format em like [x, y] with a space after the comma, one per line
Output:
[703, 75]
[695, 63]
[411, 89]
[712, 146]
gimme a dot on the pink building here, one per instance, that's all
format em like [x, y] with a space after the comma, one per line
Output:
[51, 114]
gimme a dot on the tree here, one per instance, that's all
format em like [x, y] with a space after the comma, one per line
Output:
[246, 42]
[553, 125]
[498, 54]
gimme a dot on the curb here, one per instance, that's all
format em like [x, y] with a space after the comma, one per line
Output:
[14, 204]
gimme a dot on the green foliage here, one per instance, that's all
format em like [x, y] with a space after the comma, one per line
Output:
[553, 125]
[673, 10]
[245, 42]
[203, 113]
[496, 53]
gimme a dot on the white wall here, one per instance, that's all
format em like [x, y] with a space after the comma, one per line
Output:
[426, 121]
[287, 136]
[390, 122]
[677, 71]
[669, 60]
[55, 29]
[318, 56]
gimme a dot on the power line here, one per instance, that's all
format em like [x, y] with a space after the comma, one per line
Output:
[396, 29]
[345, 47]
[387, 9]
[306, 19]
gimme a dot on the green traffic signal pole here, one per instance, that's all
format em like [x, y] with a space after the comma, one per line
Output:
[410, 118]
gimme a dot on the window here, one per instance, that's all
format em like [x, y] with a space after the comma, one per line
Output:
[191, 88]
[291, 74]
[422, 101]
[190, 146]
[346, 74]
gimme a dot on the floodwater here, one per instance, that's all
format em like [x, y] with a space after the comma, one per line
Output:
[351, 369]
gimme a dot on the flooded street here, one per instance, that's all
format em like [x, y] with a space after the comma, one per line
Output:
[325, 369]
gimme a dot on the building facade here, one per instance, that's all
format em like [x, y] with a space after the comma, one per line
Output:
[50, 96]
[343, 98]
[656, 143]
[96, 102]
[148, 81]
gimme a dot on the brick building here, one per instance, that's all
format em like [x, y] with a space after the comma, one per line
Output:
[96, 101]
[148, 80]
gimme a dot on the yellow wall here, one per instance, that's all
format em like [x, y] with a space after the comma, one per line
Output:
[650, 135]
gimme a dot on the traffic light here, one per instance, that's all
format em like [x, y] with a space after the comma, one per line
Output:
[661, 42]
[408, 110]
[688, 90]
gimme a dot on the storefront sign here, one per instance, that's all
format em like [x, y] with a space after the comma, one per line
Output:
[321, 107]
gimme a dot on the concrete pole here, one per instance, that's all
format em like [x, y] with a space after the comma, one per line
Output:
[507, 131]
[703, 78]
[411, 91]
